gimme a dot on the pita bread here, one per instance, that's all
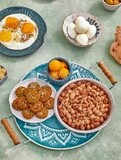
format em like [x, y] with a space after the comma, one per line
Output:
[115, 49]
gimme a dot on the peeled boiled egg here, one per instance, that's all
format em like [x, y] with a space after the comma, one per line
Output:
[82, 25]
[71, 30]
[91, 32]
[79, 19]
[82, 39]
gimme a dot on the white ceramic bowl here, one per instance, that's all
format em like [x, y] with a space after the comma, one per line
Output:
[110, 7]
[69, 127]
[91, 19]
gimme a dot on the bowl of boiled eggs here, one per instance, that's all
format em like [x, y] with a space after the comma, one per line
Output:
[82, 29]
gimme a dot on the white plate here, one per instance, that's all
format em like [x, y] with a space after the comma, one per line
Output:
[25, 83]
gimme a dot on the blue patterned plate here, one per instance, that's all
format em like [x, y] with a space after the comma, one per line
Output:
[50, 133]
[41, 29]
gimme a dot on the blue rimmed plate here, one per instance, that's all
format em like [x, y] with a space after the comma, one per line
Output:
[50, 133]
[41, 30]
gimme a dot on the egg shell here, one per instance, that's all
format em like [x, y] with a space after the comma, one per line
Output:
[91, 32]
[82, 39]
[82, 26]
[71, 30]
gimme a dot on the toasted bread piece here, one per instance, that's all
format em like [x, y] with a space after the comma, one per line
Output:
[115, 51]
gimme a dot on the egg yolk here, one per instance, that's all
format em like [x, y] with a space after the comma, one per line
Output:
[27, 28]
[5, 36]
[12, 22]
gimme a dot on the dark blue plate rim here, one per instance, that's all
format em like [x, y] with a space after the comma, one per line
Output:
[41, 28]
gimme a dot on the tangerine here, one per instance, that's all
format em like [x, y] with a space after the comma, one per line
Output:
[109, 2]
[63, 64]
[54, 65]
[54, 75]
[116, 2]
[63, 73]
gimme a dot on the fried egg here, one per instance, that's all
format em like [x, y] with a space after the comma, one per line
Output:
[18, 31]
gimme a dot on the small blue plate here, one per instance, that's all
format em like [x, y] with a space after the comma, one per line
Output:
[41, 29]
[50, 133]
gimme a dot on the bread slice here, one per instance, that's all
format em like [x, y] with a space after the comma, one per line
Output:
[115, 49]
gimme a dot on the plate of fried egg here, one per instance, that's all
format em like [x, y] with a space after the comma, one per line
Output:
[22, 31]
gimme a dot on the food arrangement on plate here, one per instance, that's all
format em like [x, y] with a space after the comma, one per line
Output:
[32, 100]
[22, 31]
[84, 105]
[58, 133]
[18, 31]
[82, 29]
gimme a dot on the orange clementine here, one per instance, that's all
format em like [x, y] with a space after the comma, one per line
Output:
[54, 65]
[54, 75]
[116, 2]
[109, 2]
[63, 73]
[63, 64]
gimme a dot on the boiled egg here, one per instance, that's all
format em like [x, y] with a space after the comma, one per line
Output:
[91, 32]
[82, 39]
[71, 30]
[82, 25]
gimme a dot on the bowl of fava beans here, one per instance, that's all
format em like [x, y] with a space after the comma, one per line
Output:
[84, 105]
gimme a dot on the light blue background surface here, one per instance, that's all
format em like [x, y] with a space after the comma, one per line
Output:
[107, 145]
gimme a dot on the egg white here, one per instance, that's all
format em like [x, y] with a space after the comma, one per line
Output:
[18, 45]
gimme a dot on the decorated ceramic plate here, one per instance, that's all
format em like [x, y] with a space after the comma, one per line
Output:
[26, 38]
[13, 96]
[92, 21]
[50, 133]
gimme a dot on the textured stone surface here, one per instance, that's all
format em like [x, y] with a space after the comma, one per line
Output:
[107, 145]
